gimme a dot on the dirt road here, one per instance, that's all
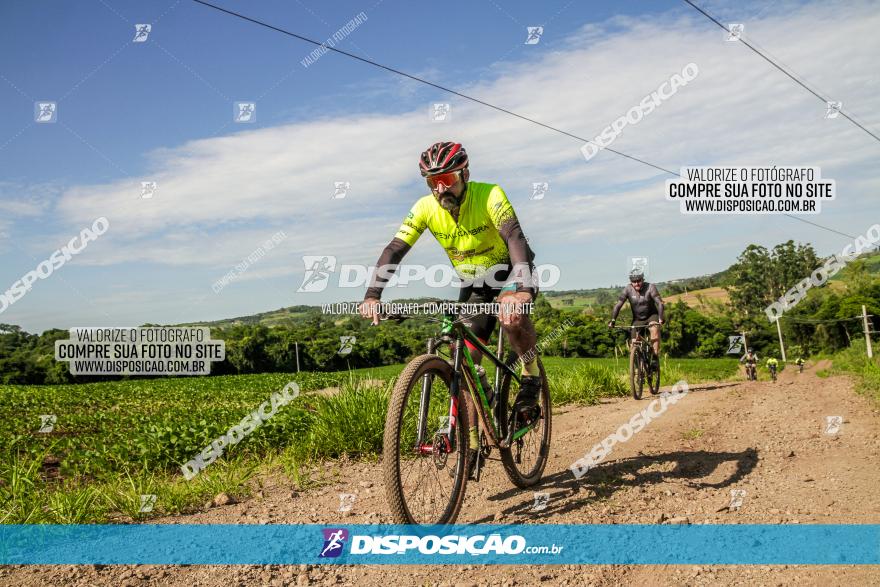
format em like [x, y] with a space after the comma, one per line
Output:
[767, 439]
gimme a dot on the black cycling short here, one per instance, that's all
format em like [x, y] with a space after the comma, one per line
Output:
[484, 324]
[481, 324]
[651, 318]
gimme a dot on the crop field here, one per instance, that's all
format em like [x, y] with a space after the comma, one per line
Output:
[86, 453]
[702, 299]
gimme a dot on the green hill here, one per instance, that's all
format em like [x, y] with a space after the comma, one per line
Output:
[704, 293]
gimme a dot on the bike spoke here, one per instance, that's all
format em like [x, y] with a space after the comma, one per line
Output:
[427, 480]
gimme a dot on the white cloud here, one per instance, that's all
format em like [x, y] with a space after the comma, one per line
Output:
[738, 110]
[21, 202]
[218, 198]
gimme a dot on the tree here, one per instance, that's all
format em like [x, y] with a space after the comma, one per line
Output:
[790, 264]
[750, 288]
[760, 277]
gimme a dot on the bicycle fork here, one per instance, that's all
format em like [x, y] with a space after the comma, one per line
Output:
[446, 434]
[424, 401]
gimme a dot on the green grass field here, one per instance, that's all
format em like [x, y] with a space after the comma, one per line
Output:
[113, 442]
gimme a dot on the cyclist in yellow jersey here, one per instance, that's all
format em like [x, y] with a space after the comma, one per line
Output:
[476, 225]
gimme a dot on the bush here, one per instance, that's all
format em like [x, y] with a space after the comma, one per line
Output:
[585, 384]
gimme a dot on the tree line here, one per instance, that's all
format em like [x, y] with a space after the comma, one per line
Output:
[821, 322]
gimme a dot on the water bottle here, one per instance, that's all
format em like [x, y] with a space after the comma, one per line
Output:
[484, 381]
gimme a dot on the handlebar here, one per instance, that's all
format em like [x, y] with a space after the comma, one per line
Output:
[649, 324]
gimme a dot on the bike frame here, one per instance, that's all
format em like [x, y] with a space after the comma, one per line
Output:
[640, 341]
[642, 345]
[457, 334]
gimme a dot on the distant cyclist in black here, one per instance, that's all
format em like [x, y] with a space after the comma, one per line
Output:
[646, 306]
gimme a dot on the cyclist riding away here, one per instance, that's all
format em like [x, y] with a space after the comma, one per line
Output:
[476, 225]
[646, 306]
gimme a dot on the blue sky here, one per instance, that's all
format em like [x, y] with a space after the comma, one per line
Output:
[162, 110]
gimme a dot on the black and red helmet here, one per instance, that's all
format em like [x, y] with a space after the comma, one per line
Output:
[444, 157]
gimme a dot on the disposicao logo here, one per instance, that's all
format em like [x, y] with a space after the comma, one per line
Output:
[334, 540]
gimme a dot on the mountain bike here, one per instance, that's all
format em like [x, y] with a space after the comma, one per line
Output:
[642, 366]
[426, 446]
[772, 372]
[751, 372]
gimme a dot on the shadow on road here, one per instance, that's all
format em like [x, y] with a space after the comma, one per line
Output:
[703, 387]
[601, 482]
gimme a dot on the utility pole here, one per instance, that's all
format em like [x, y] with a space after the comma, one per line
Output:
[867, 332]
[296, 344]
[781, 344]
[745, 342]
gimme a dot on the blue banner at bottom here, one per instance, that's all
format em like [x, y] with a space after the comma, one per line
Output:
[212, 544]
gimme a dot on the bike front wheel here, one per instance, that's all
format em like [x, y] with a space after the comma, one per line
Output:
[636, 372]
[654, 376]
[425, 476]
[524, 460]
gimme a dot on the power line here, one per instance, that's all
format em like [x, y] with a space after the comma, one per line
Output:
[472, 99]
[782, 69]
[808, 321]
[820, 226]
[429, 83]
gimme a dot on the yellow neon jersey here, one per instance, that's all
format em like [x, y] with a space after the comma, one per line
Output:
[474, 243]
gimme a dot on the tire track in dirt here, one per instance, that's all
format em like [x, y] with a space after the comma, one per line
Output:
[765, 438]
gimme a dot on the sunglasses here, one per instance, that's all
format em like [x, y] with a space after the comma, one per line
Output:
[447, 180]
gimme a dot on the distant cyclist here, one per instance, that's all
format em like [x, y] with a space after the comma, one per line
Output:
[772, 365]
[646, 306]
[750, 359]
[476, 225]
[800, 364]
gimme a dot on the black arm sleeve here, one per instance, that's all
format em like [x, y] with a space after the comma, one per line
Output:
[658, 301]
[521, 255]
[620, 301]
[389, 259]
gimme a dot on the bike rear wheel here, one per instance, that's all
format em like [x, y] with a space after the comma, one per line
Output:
[524, 460]
[424, 481]
[636, 371]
